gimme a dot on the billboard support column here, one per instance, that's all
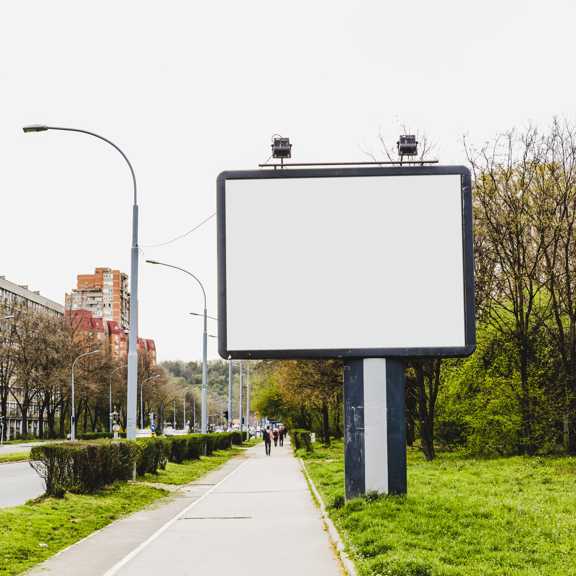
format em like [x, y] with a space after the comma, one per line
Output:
[375, 426]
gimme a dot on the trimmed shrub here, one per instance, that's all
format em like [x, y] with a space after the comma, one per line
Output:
[210, 444]
[83, 468]
[301, 439]
[178, 449]
[196, 446]
[153, 456]
[236, 437]
[222, 440]
[93, 436]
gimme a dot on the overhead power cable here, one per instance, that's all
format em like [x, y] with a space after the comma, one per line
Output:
[187, 233]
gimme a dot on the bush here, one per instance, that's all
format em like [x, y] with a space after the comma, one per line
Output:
[153, 455]
[302, 439]
[178, 449]
[236, 437]
[196, 446]
[93, 436]
[83, 468]
[222, 440]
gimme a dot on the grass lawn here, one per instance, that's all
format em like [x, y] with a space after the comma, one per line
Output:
[14, 457]
[35, 531]
[191, 470]
[462, 516]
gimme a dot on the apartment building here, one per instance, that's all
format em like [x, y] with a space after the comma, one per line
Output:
[100, 304]
[14, 298]
[19, 297]
[105, 294]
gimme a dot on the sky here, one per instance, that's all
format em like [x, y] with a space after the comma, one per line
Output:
[188, 89]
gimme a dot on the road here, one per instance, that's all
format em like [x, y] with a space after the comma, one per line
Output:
[24, 447]
[254, 515]
[18, 483]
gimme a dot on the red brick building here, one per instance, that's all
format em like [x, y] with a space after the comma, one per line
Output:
[100, 306]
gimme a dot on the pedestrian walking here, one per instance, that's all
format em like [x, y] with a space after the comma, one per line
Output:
[267, 436]
[281, 435]
[275, 435]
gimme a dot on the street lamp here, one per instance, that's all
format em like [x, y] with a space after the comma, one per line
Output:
[73, 411]
[204, 411]
[240, 395]
[142, 399]
[133, 337]
[110, 392]
[229, 423]
[248, 399]
[229, 405]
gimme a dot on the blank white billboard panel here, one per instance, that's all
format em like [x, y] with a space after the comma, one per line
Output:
[325, 266]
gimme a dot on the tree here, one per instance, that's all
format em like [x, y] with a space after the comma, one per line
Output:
[555, 224]
[505, 199]
[423, 384]
[305, 393]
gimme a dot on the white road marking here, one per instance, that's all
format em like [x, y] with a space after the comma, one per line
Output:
[116, 568]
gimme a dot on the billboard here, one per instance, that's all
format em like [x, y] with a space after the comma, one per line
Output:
[358, 262]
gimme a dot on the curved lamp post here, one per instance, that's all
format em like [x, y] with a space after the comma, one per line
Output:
[73, 410]
[133, 337]
[204, 411]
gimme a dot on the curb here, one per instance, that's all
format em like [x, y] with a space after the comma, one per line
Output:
[332, 531]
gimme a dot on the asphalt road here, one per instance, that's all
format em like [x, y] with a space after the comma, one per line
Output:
[18, 483]
[12, 448]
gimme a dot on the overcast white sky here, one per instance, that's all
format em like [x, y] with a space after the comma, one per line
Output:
[189, 89]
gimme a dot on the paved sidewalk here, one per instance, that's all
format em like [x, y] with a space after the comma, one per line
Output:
[254, 515]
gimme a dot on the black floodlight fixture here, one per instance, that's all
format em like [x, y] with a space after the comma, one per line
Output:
[35, 128]
[281, 147]
[407, 145]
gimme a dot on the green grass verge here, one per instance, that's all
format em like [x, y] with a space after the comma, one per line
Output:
[191, 470]
[14, 457]
[462, 516]
[37, 530]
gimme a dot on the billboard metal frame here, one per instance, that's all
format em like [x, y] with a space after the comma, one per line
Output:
[420, 352]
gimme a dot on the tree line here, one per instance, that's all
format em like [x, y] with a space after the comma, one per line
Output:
[37, 349]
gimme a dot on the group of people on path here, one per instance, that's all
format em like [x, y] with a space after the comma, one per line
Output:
[276, 434]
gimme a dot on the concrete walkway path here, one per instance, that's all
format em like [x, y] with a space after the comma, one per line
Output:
[254, 515]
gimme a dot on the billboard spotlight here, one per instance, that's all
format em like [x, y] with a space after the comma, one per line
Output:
[281, 147]
[407, 145]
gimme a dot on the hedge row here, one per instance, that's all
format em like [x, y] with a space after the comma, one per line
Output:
[93, 436]
[301, 438]
[84, 467]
